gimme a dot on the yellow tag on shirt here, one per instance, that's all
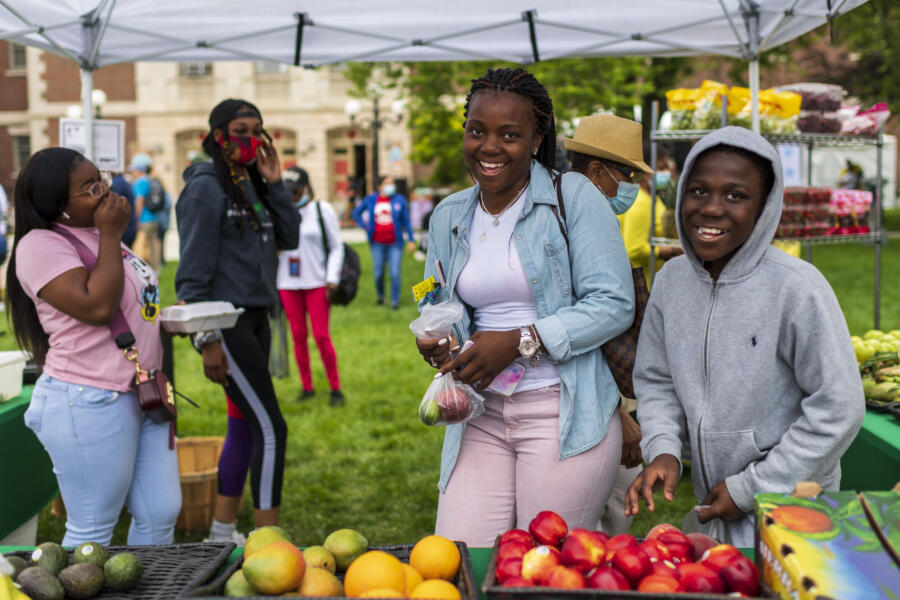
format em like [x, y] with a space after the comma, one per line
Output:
[420, 289]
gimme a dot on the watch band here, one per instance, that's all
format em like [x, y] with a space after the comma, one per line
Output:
[204, 338]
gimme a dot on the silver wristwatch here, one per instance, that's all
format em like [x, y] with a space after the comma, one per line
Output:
[528, 347]
[202, 338]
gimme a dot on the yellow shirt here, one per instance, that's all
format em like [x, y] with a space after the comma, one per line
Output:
[635, 227]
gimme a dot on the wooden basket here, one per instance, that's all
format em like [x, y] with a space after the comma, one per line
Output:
[198, 466]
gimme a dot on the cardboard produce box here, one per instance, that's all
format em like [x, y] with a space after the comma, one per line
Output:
[829, 546]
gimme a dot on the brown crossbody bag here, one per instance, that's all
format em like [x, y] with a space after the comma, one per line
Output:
[620, 351]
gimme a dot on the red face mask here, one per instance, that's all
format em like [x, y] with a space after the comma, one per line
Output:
[248, 146]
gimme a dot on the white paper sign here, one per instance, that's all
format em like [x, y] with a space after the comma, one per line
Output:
[791, 164]
[109, 141]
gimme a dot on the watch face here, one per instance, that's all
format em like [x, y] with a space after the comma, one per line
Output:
[527, 347]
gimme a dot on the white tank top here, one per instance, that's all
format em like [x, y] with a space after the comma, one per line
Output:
[493, 282]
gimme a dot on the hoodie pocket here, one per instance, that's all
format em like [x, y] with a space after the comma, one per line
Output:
[559, 264]
[728, 453]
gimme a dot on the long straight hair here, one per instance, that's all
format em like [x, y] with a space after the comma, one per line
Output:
[52, 196]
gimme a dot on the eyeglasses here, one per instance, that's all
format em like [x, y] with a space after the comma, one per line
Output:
[98, 188]
[633, 175]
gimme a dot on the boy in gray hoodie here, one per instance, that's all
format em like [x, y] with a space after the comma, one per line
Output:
[743, 350]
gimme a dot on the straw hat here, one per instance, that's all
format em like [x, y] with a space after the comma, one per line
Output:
[609, 137]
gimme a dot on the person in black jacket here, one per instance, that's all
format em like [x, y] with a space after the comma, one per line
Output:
[234, 214]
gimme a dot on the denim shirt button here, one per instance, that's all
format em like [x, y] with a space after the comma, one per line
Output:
[518, 236]
[81, 389]
[534, 280]
[115, 395]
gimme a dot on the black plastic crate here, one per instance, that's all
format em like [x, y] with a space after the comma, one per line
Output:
[168, 570]
[464, 580]
[494, 591]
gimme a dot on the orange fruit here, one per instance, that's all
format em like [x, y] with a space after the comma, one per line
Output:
[275, 568]
[412, 577]
[382, 593]
[436, 589]
[435, 557]
[320, 582]
[374, 570]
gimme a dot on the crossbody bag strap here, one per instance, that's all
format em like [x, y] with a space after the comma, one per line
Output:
[560, 209]
[325, 245]
[118, 326]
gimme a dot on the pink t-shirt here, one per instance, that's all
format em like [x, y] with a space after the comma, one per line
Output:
[82, 353]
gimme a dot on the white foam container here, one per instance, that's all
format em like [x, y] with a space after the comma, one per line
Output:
[12, 363]
[199, 316]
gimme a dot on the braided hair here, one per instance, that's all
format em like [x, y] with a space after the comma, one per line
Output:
[221, 115]
[519, 81]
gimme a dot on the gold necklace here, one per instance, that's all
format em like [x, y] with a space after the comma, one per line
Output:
[499, 214]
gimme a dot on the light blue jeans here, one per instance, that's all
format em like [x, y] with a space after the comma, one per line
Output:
[392, 255]
[106, 453]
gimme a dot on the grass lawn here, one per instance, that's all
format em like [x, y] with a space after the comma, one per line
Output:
[371, 465]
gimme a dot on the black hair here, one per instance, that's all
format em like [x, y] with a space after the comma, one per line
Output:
[40, 195]
[519, 81]
[581, 162]
[763, 165]
[221, 115]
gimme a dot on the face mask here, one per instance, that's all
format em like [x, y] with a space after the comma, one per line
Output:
[663, 178]
[624, 198]
[248, 146]
[389, 190]
[304, 199]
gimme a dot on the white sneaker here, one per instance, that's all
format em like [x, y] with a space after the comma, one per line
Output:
[236, 536]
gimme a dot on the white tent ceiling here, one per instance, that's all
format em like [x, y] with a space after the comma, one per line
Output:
[101, 32]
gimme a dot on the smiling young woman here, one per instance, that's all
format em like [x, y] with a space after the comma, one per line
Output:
[534, 299]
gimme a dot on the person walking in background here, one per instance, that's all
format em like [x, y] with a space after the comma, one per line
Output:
[106, 451]
[384, 215]
[546, 299]
[234, 214]
[121, 187]
[307, 277]
[146, 244]
[607, 150]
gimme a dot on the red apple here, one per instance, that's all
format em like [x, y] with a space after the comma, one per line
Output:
[583, 550]
[516, 535]
[660, 583]
[565, 578]
[623, 540]
[741, 575]
[517, 582]
[658, 529]
[718, 556]
[701, 543]
[633, 562]
[664, 567]
[656, 550]
[538, 561]
[454, 405]
[548, 528]
[697, 578]
[607, 578]
[680, 547]
[511, 550]
[511, 567]
[603, 536]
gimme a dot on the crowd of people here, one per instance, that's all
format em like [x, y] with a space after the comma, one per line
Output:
[744, 355]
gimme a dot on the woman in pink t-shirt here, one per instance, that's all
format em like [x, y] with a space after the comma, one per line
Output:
[106, 453]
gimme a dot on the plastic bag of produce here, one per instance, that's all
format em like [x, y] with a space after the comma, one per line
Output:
[682, 103]
[436, 320]
[708, 113]
[867, 122]
[447, 401]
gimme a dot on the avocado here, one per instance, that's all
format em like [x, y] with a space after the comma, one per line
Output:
[40, 584]
[51, 556]
[81, 581]
[18, 563]
[122, 571]
[90, 552]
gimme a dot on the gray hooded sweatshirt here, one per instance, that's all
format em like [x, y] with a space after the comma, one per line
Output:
[756, 369]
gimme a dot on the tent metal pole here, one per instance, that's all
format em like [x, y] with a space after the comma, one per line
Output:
[754, 93]
[654, 117]
[87, 111]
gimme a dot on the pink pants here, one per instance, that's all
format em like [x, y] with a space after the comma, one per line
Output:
[297, 303]
[508, 470]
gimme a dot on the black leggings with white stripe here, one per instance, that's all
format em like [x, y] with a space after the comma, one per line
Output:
[250, 387]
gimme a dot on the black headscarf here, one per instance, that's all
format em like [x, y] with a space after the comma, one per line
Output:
[227, 110]
[49, 194]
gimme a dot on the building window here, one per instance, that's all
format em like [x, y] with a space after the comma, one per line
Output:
[196, 69]
[270, 67]
[17, 57]
[21, 151]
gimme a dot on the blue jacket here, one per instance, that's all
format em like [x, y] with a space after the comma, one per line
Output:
[579, 307]
[399, 212]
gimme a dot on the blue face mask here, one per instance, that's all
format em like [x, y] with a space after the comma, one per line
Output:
[662, 179]
[624, 198]
[303, 201]
[389, 190]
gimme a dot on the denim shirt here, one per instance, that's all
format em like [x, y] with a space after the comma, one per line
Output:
[583, 294]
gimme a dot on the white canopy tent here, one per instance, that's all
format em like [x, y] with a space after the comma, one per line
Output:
[311, 33]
